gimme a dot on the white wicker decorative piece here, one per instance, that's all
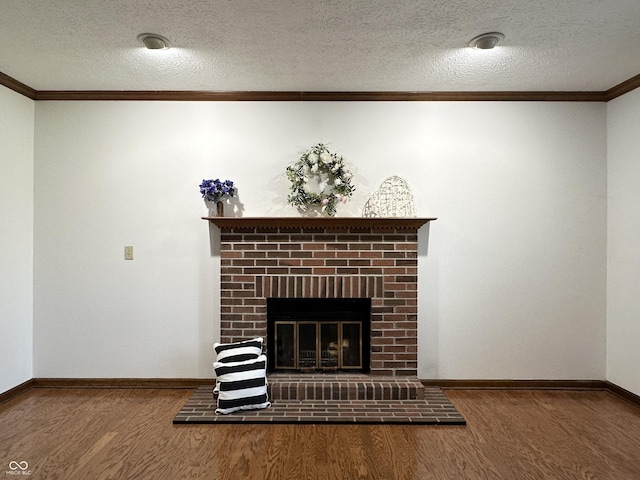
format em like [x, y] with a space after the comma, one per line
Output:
[392, 199]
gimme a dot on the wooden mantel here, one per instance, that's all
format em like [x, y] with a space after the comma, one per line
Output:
[340, 223]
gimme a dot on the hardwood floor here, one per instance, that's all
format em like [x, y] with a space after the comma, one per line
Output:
[127, 434]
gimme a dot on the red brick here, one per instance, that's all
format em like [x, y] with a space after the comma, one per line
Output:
[244, 246]
[347, 271]
[238, 310]
[301, 254]
[278, 254]
[290, 246]
[230, 254]
[313, 262]
[256, 271]
[360, 246]
[407, 279]
[406, 246]
[300, 271]
[242, 262]
[239, 278]
[324, 254]
[299, 238]
[267, 246]
[336, 263]
[372, 254]
[266, 263]
[347, 254]
[388, 263]
[395, 286]
[287, 262]
[231, 286]
[313, 246]
[323, 238]
[360, 262]
[227, 238]
[254, 255]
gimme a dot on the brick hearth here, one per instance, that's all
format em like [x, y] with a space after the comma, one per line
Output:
[343, 387]
[325, 258]
[433, 408]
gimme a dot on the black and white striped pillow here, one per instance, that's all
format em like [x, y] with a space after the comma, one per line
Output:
[237, 352]
[243, 385]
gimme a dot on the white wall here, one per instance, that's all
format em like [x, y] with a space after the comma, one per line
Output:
[16, 238]
[513, 285]
[623, 303]
[514, 280]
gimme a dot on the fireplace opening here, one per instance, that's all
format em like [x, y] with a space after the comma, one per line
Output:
[318, 334]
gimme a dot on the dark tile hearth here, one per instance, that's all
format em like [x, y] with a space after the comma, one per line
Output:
[434, 408]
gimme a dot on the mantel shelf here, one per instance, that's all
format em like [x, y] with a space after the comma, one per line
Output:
[340, 223]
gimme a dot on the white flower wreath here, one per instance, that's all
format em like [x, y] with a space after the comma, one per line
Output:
[333, 180]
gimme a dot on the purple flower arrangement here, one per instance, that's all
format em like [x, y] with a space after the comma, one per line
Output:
[215, 190]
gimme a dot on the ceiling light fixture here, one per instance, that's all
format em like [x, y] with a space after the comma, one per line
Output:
[486, 41]
[154, 41]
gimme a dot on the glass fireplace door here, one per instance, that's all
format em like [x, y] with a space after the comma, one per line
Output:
[329, 351]
[307, 345]
[322, 345]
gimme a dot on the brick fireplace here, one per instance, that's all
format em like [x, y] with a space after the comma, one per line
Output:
[288, 257]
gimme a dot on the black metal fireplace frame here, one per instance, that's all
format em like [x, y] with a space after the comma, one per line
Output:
[318, 309]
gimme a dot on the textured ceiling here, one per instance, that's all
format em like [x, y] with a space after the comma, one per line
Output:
[320, 45]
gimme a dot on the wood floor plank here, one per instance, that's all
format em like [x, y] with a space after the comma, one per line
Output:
[101, 434]
[560, 435]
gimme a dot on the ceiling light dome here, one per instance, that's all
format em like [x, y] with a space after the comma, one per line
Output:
[153, 41]
[486, 41]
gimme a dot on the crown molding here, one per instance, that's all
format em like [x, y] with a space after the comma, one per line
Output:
[288, 96]
[622, 88]
[16, 86]
[270, 96]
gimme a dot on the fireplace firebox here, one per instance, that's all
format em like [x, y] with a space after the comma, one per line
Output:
[319, 334]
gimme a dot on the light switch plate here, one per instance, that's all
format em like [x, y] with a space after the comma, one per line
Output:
[128, 252]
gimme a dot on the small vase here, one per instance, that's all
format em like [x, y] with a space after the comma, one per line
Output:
[220, 208]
